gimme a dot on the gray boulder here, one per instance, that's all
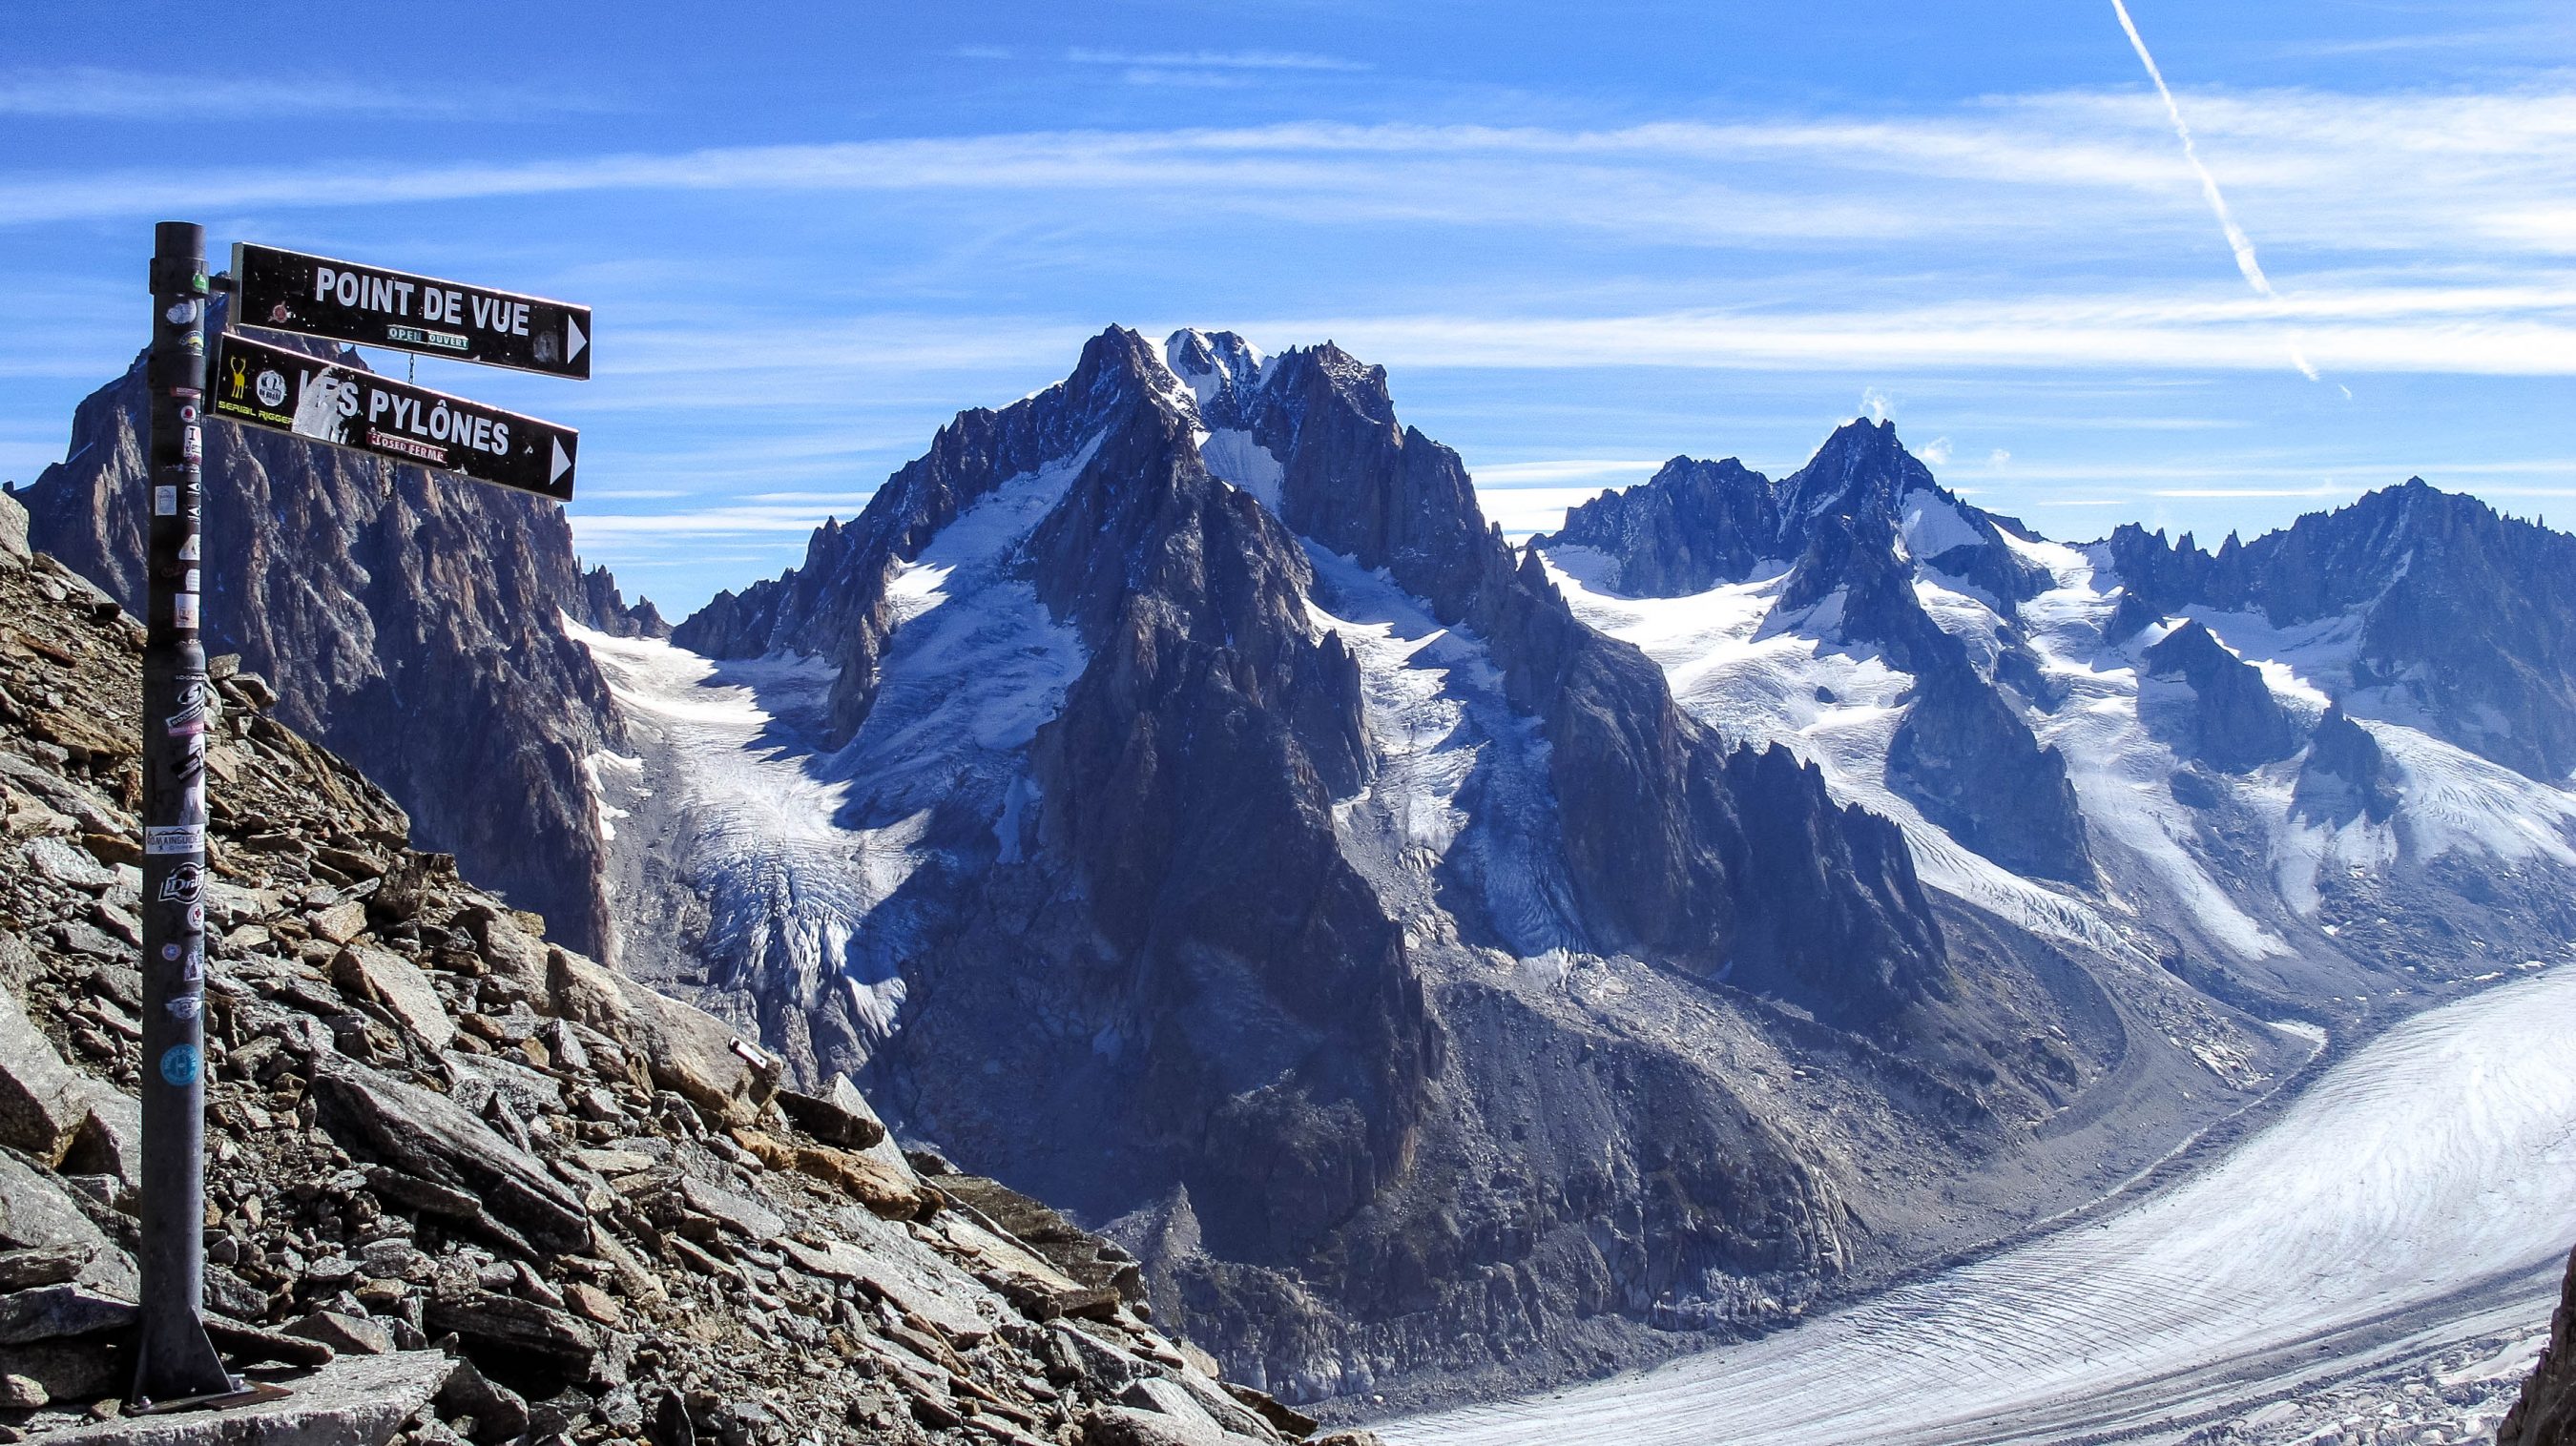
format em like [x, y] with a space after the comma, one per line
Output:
[425, 1135]
[42, 1103]
[110, 1141]
[35, 1214]
[53, 1312]
[400, 987]
[840, 1115]
[353, 1401]
[508, 1324]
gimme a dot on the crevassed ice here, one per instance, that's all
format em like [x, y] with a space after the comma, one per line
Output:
[797, 851]
[2435, 1159]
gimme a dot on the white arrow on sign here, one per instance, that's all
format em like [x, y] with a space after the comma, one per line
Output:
[574, 341]
[562, 463]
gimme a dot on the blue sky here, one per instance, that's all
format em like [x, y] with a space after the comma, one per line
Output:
[1581, 239]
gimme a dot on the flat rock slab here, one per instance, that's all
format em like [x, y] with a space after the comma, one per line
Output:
[354, 1401]
[426, 1136]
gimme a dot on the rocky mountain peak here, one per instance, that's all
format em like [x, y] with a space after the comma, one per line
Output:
[1220, 369]
[2231, 722]
[1862, 469]
[1693, 525]
[2461, 613]
[605, 609]
[413, 622]
[1697, 524]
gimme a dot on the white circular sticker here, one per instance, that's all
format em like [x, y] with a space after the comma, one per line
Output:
[272, 389]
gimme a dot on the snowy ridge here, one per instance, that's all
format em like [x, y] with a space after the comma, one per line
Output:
[2451, 801]
[1761, 674]
[1231, 456]
[1933, 525]
[1764, 679]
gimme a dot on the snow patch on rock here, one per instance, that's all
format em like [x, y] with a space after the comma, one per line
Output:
[1758, 678]
[1460, 783]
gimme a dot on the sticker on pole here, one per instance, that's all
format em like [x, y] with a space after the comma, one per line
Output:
[179, 1065]
[348, 406]
[369, 305]
[185, 838]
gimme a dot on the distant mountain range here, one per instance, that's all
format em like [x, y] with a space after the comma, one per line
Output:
[1449, 964]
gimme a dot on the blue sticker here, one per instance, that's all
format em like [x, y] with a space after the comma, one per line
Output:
[179, 1065]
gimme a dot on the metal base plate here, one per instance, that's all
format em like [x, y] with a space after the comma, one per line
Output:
[244, 1393]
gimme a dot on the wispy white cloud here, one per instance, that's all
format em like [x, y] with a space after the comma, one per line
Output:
[2359, 173]
[88, 92]
[2405, 330]
[1214, 59]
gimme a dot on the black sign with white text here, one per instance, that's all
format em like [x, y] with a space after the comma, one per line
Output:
[269, 386]
[371, 306]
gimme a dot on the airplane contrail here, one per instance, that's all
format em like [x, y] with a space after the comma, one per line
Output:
[2237, 240]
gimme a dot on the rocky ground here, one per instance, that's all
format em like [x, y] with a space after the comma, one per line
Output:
[2445, 1398]
[429, 1129]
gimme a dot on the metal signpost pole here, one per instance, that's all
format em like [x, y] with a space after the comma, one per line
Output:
[174, 1360]
[341, 402]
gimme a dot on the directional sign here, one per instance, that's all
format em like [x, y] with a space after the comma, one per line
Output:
[269, 386]
[344, 301]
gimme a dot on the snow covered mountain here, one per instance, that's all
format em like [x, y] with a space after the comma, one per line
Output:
[1173, 797]
[2320, 773]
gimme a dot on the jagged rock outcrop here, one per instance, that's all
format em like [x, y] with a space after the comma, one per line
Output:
[1852, 563]
[412, 623]
[2345, 775]
[1697, 524]
[606, 610]
[1659, 851]
[2466, 617]
[2546, 1414]
[1976, 770]
[437, 1139]
[1693, 525]
[2234, 724]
